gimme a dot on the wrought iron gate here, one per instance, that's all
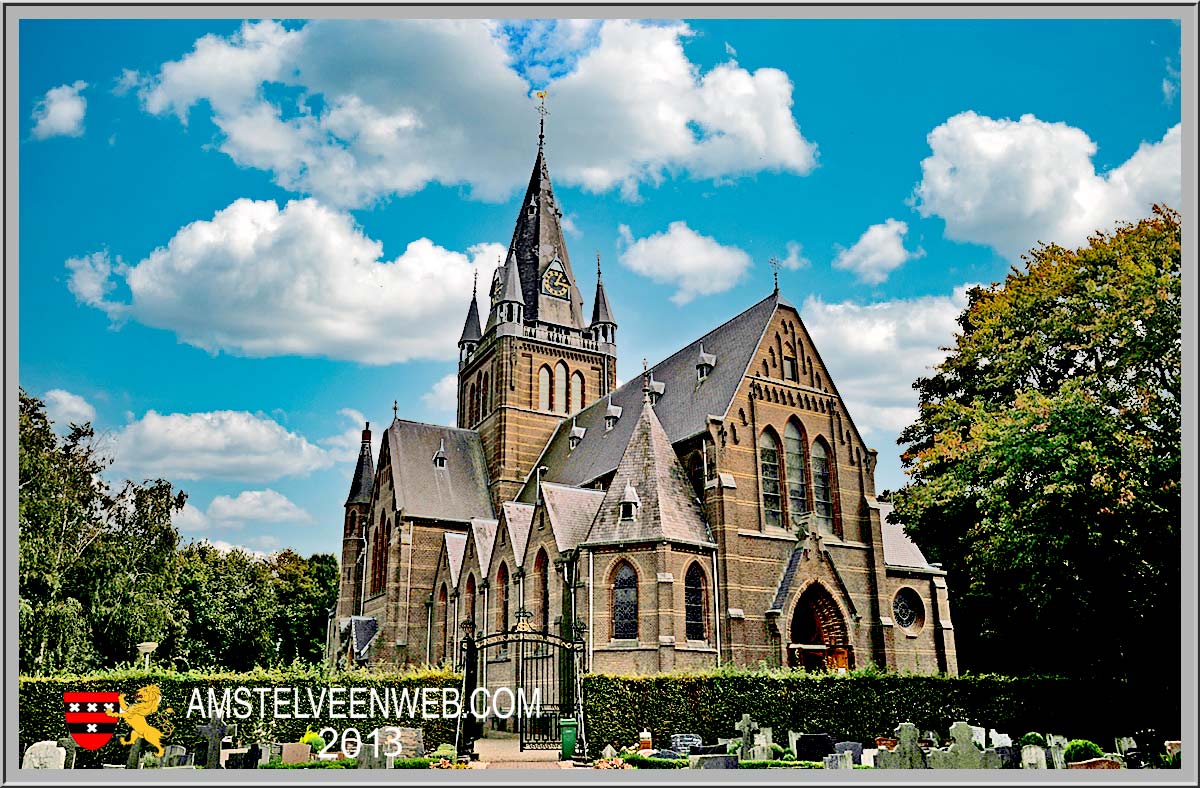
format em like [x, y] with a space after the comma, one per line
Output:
[547, 670]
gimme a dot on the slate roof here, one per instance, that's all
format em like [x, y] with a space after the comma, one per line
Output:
[470, 332]
[601, 311]
[456, 548]
[785, 582]
[363, 481]
[898, 549]
[517, 519]
[457, 492]
[668, 509]
[571, 511]
[485, 539]
[683, 409]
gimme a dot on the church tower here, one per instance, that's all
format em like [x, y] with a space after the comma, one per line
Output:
[358, 508]
[536, 360]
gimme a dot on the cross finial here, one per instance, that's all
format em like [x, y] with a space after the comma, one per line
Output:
[475, 284]
[541, 109]
[597, 264]
[774, 262]
[395, 409]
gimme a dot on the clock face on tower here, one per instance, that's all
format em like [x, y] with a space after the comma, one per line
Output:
[555, 282]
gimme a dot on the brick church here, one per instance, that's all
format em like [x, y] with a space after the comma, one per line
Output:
[718, 509]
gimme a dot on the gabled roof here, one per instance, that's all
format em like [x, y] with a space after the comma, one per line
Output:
[484, 533]
[683, 409]
[457, 492]
[898, 549]
[456, 548]
[666, 509]
[536, 243]
[363, 481]
[518, 517]
[570, 511]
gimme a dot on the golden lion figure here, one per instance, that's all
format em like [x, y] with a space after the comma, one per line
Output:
[135, 714]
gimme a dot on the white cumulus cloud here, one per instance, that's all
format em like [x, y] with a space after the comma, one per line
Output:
[259, 280]
[64, 408]
[443, 396]
[60, 112]
[879, 251]
[795, 258]
[345, 446]
[1010, 184]
[362, 110]
[683, 258]
[265, 506]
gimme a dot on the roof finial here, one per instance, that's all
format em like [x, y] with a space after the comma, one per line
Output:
[775, 268]
[395, 409]
[475, 284]
[645, 380]
[541, 94]
[597, 263]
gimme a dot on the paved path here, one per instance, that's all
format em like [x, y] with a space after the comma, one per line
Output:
[502, 752]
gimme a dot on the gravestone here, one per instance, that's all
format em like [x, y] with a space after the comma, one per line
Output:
[1125, 744]
[710, 749]
[1057, 747]
[713, 761]
[764, 734]
[999, 739]
[855, 749]
[868, 756]
[1096, 763]
[134, 759]
[839, 760]
[234, 758]
[371, 757]
[1033, 757]
[68, 744]
[609, 752]
[258, 754]
[759, 752]
[908, 753]
[747, 727]
[962, 752]
[1009, 756]
[978, 735]
[412, 743]
[684, 742]
[670, 754]
[296, 753]
[213, 731]
[814, 747]
[174, 755]
[793, 737]
[45, 755]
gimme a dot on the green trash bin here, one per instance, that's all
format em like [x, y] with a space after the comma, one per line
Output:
[568, 730]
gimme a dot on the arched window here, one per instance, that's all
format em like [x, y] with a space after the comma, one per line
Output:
[768, 470]
[545, 385]
[541, 585]
[502, 598]
[625, 603]
[472, 405]
[793, 455]
[387, 557]
[576, 392]
[695, 603]
[443, 619]
[560, 386]
[485, 396]
[471, 602]
[822, 496]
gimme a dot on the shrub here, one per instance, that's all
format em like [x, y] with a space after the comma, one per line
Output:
[412, 763]
[314, 740]
[344, 763]
[780, 765]
[777, 752]
[1032, 738]
[642, 762]
[1082, 750]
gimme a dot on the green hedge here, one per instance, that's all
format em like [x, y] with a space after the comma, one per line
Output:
[41, 704]
[862, 705]
[345, 763]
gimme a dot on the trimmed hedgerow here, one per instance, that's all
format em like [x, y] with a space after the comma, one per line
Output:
[857, 706]
[41, 704]
[344, 763]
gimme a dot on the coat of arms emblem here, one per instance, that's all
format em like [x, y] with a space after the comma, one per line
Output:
[88, 718]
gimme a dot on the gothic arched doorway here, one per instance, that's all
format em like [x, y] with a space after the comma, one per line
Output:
[819, 640]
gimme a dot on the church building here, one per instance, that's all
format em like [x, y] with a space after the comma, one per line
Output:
[718, 509]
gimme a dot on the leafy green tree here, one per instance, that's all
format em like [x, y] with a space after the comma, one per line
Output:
[94, 565]
[304, 589]
[1044, 468]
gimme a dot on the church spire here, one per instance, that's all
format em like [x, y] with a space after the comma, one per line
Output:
[469, 339]
[604, 326]
[364, 473]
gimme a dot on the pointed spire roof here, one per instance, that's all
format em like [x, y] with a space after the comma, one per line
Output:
[470, 332]
[363, 481]
[650, 473]
[537, 245]
[601, 311]
[511, 283]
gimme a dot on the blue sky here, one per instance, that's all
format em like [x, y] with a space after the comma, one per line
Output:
[238, 239]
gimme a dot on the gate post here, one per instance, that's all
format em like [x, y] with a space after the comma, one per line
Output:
[469, 728]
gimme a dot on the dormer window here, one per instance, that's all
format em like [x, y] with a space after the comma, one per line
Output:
[439, 456]
[611, 416]
[576, 436]
[704, 364]
[657, 388]
[629, 503]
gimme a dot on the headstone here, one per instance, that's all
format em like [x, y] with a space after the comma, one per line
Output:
[1096, 763]
[1033, 757]
[1125, 744]
[759, 752]
[793, 737]
[258, 754]
[978, 735]
[609, 752]
[999, 739]
[765, 735]
[713, 762]
[908, 753]
[963, 753]
[134, 759]
[645, 741]
[68, 744]
[1057, 747]
[868, 757]
[814, 747]
[684, 742]
[174, 755]
[234, 758]
[45, 755]
[212, 731]
[296, 753]
[669, 754]
[371, 757]
[839, 760]
[855, 749]
[710, 749]
[412, 743]
[1010, 757]
[747, 727]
